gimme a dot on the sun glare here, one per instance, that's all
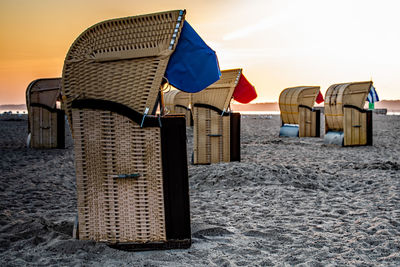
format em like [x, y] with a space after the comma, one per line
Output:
[277, 43]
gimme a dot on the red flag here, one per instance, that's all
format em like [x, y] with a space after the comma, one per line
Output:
[244, 91]
[320, 98]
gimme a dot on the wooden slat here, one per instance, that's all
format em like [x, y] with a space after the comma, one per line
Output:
[363, 129]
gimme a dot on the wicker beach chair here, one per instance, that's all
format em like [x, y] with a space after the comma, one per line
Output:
[346, 121]
[297, 114]
[131, 165]
[178, 102]
[216, 130]
[46, 120]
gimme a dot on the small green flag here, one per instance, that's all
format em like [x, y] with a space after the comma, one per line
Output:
[371, 106]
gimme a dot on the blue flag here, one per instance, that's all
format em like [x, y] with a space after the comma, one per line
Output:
[372, 96]
[194, 65]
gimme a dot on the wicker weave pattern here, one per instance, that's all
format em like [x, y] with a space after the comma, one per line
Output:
[121, 60]
[175, 101]
[339, 95]
[219, 94]
[354, 135]
[118, 209]
[211, 133]
[169, 101]
[43, 123]
[291, 98]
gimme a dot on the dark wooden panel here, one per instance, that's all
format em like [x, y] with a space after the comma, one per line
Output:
[317, 114]
[235, 136]
[369, 128]
[60, 129]
[175, 177]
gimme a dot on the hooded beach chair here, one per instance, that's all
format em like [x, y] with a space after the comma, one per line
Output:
[297, 112]
[46, 120]
[216, 130]
[178, 102]
[347, 123]
[131, 165]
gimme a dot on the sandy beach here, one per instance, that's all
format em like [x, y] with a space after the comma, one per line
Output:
[289, 202]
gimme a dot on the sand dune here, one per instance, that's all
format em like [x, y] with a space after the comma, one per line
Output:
[288, 202]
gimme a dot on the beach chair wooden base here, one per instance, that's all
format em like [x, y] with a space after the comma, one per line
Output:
[132, 182]
[357, 129]
[309, 122]
[216, 136]
[357, 126]
[170, 244]
[47, 127]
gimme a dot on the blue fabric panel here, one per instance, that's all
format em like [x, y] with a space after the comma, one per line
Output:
[334, 138]
[289, 130]
[194, 65]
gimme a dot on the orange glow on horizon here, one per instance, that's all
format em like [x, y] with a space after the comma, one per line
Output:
[278, 43]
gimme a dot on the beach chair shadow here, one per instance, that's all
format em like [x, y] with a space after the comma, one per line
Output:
[347, 123]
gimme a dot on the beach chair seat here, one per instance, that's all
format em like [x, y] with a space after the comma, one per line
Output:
[298, 116]
[216, 129]
[347, 123]
[46, 120]
[131, 164]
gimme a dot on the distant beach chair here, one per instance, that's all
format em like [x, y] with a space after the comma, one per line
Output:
[46, 120]
[299, 119]
[131, 165]
[347, 123]
[178, 102]
[216, 129]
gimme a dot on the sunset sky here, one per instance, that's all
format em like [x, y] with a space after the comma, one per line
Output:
[278, 43]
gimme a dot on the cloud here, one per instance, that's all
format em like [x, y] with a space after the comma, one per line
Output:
[263, 24]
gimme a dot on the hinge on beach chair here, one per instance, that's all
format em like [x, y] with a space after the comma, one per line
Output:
[146, 111]
[159, 120]
[223, 112]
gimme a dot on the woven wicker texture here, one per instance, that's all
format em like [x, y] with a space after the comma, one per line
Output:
[308, 122]
[169, 101]
[44, 92]
[121, 60]
[118, 163]
[211, 131]
[337, 96]
[219, 94]
[43, 118]
[178, 102]
[43, 127]
[115, 209]
[291, 98]
[211, 134]
[354, 127]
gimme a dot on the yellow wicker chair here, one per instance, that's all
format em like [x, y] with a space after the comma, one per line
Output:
[132, 179]
[216, 131]
[346, 121]
[178, 102]
[46, 121]
[297, 114]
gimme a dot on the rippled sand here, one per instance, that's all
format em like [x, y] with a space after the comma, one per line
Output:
[288, 202]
